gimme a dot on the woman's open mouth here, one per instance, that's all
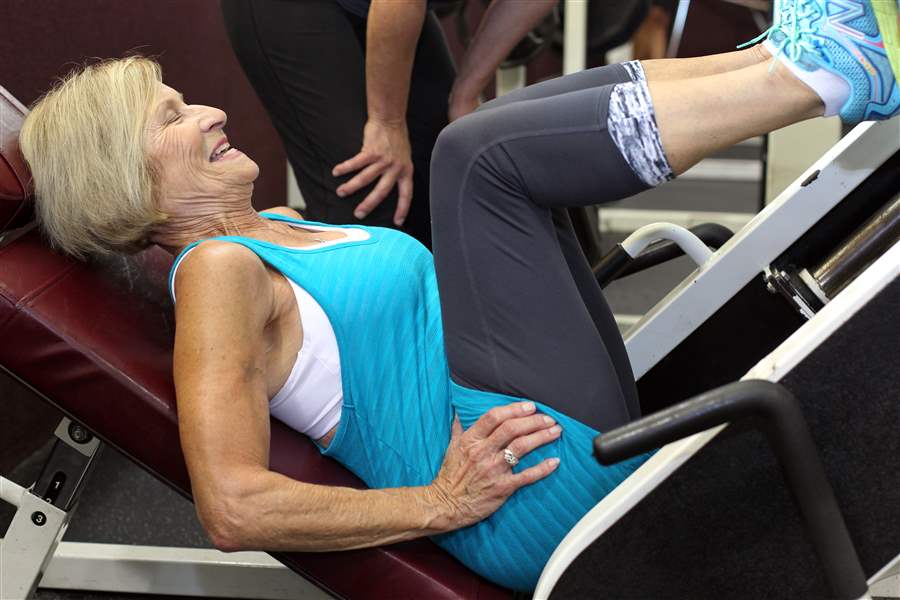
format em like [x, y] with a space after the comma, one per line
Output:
[223, 151]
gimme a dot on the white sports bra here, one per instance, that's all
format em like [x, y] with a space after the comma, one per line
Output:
[310, 400]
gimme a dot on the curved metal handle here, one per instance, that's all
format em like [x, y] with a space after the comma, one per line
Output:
[693, 246]
[787, 432]
[630, 256]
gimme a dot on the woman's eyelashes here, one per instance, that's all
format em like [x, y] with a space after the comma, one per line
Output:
[177, 112]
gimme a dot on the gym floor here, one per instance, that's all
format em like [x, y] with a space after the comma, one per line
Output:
[121, 504]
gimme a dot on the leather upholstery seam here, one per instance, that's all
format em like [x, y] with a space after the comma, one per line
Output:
[29, 297]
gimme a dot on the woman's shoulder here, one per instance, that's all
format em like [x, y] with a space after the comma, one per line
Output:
[284, 211]
[223, 268]
[225, 300]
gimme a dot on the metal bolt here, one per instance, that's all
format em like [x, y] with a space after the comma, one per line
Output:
[79, 433]
[38, 518]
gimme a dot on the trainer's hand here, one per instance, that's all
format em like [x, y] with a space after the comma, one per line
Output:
[385, 156]
[474, 479]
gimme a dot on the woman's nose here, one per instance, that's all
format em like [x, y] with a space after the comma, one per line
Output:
[211, 118]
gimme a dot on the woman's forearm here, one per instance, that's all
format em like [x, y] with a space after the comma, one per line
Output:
[504, 24]
[269, 511]
[392, 33]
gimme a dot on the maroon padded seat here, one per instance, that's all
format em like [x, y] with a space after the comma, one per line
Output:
[96, 341]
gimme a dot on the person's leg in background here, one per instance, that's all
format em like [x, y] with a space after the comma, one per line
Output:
[306, 61]
[432, 77]
[651, 39]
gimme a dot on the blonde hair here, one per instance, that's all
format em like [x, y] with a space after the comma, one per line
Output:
[84, 141]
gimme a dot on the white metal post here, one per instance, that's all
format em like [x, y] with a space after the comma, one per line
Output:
[194, 572]
[294, 196]
[30, 540]
[684, 6]
[886, 582]
[575, 36]
[510, 79]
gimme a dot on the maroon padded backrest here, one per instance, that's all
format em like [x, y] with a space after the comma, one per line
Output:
[15, 180]
[96, 341]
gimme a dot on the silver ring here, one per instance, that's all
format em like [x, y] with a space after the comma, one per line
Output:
[510, 458]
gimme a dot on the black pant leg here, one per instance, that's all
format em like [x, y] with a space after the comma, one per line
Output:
[432, 78]
[306, 60]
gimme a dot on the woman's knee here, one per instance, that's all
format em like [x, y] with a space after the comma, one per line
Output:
[457, 147]
[456, 143]
[471, 164]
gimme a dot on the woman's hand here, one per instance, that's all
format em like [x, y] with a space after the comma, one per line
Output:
[385, 154]
[475, 480]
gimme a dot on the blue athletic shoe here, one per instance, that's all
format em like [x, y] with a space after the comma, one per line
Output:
[840, 37]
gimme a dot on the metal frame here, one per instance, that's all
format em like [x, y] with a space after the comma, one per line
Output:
[886, 582]
[755, 246]
[195, 572]
[32, 555]
[792, 149]
[770, 409]
[510, 79]
[30, 540]
[703, 292]
[575, 36]
[678, 25]
[43, 511]
[669, 458]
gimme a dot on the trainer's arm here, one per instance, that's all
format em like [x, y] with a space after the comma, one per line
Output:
[393, 28]
[392, 32]
[220, 379]
[503, 25]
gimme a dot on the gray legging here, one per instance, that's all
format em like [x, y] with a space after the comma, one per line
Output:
[522, 312]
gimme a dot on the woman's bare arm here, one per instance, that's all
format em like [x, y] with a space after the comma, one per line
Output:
[224, 424]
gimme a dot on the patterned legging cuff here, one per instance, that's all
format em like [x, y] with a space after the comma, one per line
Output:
[632, 124]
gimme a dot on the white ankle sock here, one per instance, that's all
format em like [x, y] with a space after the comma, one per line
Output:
[831, 87]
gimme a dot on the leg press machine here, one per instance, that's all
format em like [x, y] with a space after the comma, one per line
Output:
[769, 379]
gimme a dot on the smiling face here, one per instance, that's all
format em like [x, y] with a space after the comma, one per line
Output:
[191, 154]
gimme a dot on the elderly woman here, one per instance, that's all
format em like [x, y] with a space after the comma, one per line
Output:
[465, 387]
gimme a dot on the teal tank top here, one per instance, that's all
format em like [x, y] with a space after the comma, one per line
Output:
[381, 296]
